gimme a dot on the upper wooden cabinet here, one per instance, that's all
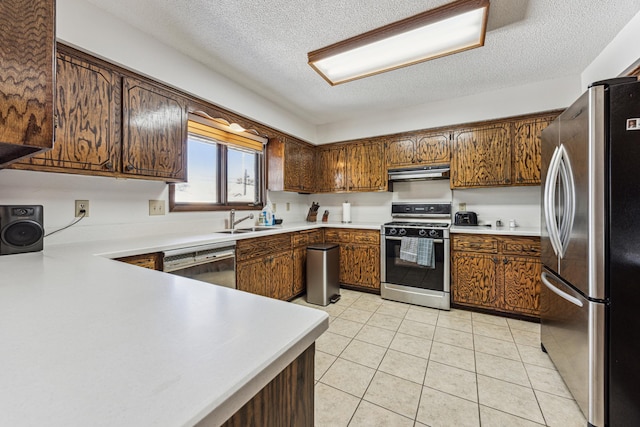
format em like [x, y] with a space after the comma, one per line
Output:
[526, 148]
[331, 169]
[421, 149]
[154, 131]
[481, 156]
[365, 167]
[88, 111]
[26, 78]
[290, 166]
[500, 153]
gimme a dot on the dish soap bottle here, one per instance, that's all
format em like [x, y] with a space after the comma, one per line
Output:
[268, 214]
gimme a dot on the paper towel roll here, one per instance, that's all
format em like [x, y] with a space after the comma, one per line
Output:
[346, 212]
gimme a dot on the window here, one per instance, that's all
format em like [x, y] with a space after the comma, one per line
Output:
[224, 170]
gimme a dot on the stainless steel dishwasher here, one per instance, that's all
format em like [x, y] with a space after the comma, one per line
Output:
[214, 263]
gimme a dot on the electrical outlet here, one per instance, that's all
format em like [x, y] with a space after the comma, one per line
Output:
[288, 206]
[82, 205]
[156, 207]
[462, 206]
[274, 207]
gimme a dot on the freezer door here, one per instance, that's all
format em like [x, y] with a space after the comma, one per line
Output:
[573, 200]
[572, 332]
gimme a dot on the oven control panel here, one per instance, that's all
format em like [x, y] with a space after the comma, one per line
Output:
[399, 231]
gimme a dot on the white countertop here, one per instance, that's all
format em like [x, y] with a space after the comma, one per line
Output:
[507, 231]
[86, 340]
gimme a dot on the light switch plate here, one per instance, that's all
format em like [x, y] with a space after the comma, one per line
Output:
[156, 207]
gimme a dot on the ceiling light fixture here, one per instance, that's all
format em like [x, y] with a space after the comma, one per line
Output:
[448, 29]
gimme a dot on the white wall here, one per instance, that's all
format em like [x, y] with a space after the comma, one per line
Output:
[511, 101]
[89, 28]
[619, 55]
[505, 203]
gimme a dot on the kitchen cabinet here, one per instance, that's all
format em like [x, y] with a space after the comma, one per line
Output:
[425, 148]
[290, 166]
[27, 78]
[366, 167]
[498, 273]
[264, 266]
[88, 112]
[331, 169]
[359, 257]
[152, 261]
[154, 131]
[300, 241]
[481, 156]
[526, 148]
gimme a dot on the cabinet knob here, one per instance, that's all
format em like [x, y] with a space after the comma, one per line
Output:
[507, 180]
[505, 261]
[495, 260]
[108, 166]
[520, 179]
[129, 167]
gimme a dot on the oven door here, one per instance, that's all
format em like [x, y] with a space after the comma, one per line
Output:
[412, 283]
[399, 272]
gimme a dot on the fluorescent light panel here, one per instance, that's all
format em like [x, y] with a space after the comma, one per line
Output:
[452, 28]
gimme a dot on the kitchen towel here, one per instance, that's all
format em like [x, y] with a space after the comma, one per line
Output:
[426, 256]
[409, 249]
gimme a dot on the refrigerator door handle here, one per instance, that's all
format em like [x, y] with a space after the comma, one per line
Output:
[550, 188]
[561, 294]
[568, 199]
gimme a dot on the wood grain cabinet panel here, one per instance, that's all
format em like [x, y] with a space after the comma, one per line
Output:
[359, 257]
[154, 131]
[331, 169]
[280, 275]
[27, 75]
[251, 276]
[475, 280]
[522, 285]
[152, 261]
[505, 281]
[290, 166]
[299, 270]
[365, 167]
[88, 111]
[401, 151]
[433, 148]
[526, 149]
[481, 156]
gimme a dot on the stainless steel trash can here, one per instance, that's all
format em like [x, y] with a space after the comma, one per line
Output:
[323, 269]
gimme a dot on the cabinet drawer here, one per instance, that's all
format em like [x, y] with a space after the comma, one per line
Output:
[475, 244]
[521, 246]
[315, 236]
[300, 239]
[262, 246]
[336, 235]
[152, 261]
[366, 236]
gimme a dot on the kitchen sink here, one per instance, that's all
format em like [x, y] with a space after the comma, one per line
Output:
[233, 231]
[246, 230]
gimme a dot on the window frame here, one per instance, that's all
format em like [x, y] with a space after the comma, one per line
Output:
[223, 205]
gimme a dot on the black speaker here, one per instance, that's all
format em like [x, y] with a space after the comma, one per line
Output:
[21, 229]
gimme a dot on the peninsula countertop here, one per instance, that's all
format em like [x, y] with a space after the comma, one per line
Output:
[87, 340]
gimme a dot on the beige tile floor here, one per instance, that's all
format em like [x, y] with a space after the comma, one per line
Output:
[384, 363]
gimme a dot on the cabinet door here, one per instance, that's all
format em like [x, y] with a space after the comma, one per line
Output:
[154, 131]
[346, 265]
[293, 170]
[401, 151]
[433, 149]
[251, 276]
[522, 285]
[307, 163]
[526, 149]
[365, 167]
[280, 270]
[152, 261]
[366, 263]
[27, 47]
[481, 157]
[331, 169]
[88, 111]
[299, 270]
[474, 280]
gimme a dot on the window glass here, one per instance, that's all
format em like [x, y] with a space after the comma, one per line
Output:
[202, 173]
[242, 167]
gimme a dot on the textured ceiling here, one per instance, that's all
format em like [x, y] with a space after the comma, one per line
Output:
[262, 45]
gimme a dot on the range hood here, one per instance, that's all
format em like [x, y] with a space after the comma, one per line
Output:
[422, 173]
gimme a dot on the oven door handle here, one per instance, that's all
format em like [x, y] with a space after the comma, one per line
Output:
[400, 238]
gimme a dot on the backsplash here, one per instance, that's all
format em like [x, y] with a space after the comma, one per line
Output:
[504, 203]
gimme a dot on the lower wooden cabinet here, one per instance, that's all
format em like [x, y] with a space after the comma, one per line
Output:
[152, 261]
[359, 257]
[500, 273]
[265, 266]
[300, 241]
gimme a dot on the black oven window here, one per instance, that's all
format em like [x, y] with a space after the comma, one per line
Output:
[411, 274]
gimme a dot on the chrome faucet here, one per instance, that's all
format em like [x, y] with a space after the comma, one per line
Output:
[232, 219]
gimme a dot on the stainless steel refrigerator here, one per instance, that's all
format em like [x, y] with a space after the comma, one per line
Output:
[590, 298]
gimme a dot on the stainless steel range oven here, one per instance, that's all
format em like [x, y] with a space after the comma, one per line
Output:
[409, 280]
